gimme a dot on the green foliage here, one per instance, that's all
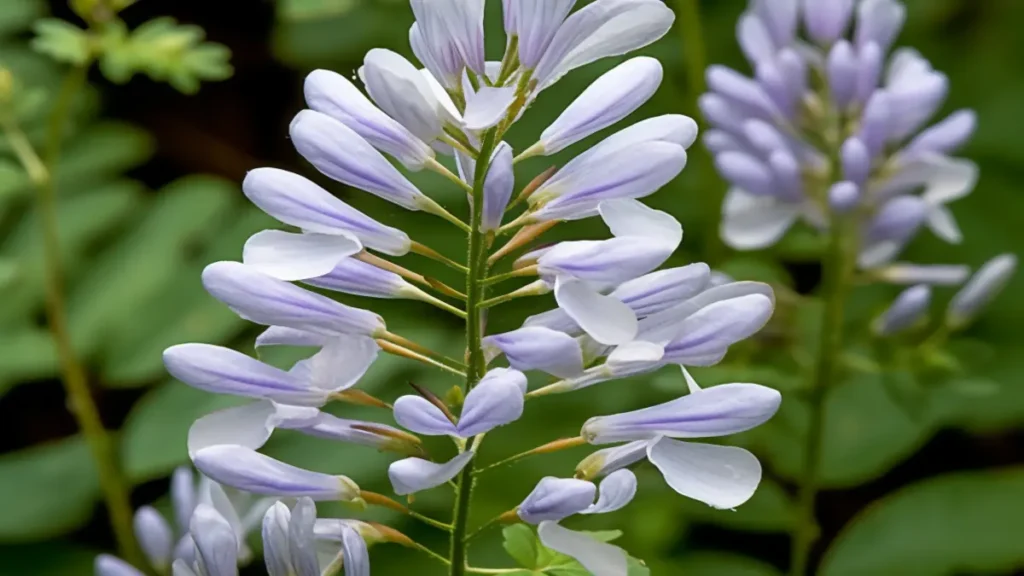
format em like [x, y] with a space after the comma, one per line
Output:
[523, 545]
[165, 51]
[46, 490]
[62, 41]
[961, 523]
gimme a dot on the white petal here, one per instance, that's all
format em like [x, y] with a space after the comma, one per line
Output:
[414, 474]
[246, 425]
[600, 558]
[606, 319]
[487, 107]
[284, 336]
[636, 351]
[751, 222]
[720, 476]
[948, 179]
[634, 218]
[289, 256]
[417, 414]
[691, 384]
[943, 224]
[614, 492]
[402, 92]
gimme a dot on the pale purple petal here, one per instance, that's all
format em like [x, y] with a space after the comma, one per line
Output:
[495, 401]
[372, 434]
[264, 300]
[856, 161]
[610, 98]
[751, 222]
[869, 71]
[332, 94]
[284, 336]
[339, 153]
[709, 332]
[415, 474]
[945, 137]
[302, 548]
[556, 498]
[741, 91]
[875, 127]
[664, 326]
[827, 20]
[288, 256]
[403, 93]
[604, 318]
[879, 21]
[716, 411]
[417, 414]
[787, 175]
[539, 348]
[898, 219]
[299, 202]
[248, 425]
[537, 21]
[181, 568]
[842, 67]
[276, 553]
[341, 362]
[599, 558]
[357, 557]
[934, 274]
[225, 371]
[251, 471]
[453, 33]
[720, 476]
[183, 496]
[754, 38]
[608, 460]
[614, 493]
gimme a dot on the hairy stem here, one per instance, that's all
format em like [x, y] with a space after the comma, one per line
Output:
[115, 489]
[476, 261]
[838, 268]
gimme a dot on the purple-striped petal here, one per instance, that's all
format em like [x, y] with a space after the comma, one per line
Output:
[614, 493]
[248, 470]
[417, 414]
[538, 348]
[495, 401]
[555, 499]
[498, 186]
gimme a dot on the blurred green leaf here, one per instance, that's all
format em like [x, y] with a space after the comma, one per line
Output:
[165, 51]
[770, 510]
[46, 490]
[153, 439]
[722, 564]
[28, 354]
[62, 41]
[306, 9]
[521, 544]
[960, 523]
[103, 150]
[16, 15]
[46, 559]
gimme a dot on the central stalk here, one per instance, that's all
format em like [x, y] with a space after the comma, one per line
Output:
[476, 262]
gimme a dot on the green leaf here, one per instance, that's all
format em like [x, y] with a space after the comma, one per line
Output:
[153, 439]
[62, 41]
[16, 15]
[964, 523]
[165, 51]
[770, 510]
[103, 150]
[46, 490]
[307, 9]
[28, 354]
[521, 544]
[47, 559]
[721, 564]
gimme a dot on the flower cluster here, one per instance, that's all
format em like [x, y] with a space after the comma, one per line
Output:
[617, 314]
[833, 130]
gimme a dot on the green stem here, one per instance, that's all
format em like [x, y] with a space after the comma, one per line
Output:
[837, 270]
[114, 487]
[476, 261]
[691, 35]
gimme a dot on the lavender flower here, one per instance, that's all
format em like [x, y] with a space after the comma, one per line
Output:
[986, 284]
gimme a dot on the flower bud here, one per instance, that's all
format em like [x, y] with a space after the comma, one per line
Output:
[906, 311]
[251, 471]
[986, 284]
[215, 541]
[556, 498]
[154, 536]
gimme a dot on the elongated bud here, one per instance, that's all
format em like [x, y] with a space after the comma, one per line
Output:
[842, 73]
[555, 499]
[825, 20]
[216, 542]
[986, 284]
[276, 551]
[843, 197]
[944, 137]
[537, 348]
[251, 471]
[183, 496]
[906, 311]
[933, 274]
[716, 411]
[264, 300]
[448, 37]
[332, 94]
[107, 565]
[403, 93]
[353, 276]
[154, 536]
[610, 98]
[341, 154]
[498, 188]
[300, 202]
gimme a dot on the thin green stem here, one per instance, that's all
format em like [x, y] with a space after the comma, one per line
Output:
[838, 268]
[431, 553]
[526, 271]
[691, 35]
[476, 261]
[480, 529]
[535, 289]
[116, 492]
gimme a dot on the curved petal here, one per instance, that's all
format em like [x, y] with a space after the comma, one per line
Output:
[342, 362]
[714, 328]
[720, 476]
[498, 187]
[491, 404]
[556, 498]
[402, 92]
[302, 548]
[664, 325]
[216, 543]
[107, 565]
[415, 474]
[606, 319]
[751, 222]
[284, 336]
[417, 414]
[289, 256]
[154, 536]
[487, 107]
[246, 425]
[539, 348]
[608, 460]
[276, 554]
[614, 492]
[632, 218]
[353, 276]
[599, 558]
[183, 496]
[357, 557]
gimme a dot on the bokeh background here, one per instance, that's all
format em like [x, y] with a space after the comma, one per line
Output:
[923, 473]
